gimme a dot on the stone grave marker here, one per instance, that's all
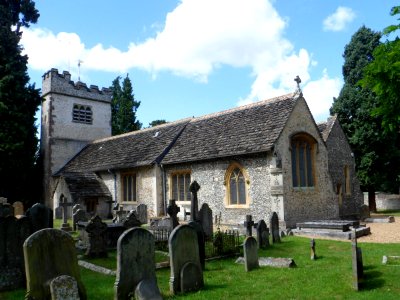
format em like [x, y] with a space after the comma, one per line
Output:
[141, 212]
[206, 220]
[201, 242]
[79, 216]
[357, 262]
[18, 208]
[120, 214]
[3, 200]
[76, 207]
[186, 271]
[250, 250]
[312, 245]
[13, 233]
[136, 271]
[65, 204]
[97, 246]
[274, 228]
[131, 220]
[64, 287]
[40, 217]
[49, 253]
[173, 211]
[262, 234]
[194, 207]
[6, 209]
[248, 223]
[58, 211]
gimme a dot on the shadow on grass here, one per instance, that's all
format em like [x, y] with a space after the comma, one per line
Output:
[210, 287]
[371, 279]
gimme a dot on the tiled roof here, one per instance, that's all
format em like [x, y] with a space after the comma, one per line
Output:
[82, 185]
[248, 129]
[326, 127]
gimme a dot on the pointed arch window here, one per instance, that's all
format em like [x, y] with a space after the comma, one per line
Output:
[303, 148]
[236, 183]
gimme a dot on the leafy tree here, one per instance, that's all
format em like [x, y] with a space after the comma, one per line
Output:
[19, 102]
[157, 122]
[382, 76]
[375, 150]
[123, 107]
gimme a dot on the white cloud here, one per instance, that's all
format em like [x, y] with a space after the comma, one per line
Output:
[339, 19]
[197, 38]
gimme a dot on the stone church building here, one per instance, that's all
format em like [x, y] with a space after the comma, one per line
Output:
[254, 159]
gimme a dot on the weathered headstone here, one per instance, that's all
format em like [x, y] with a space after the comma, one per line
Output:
[136, 265]
[201, 242]
[206, 220]
[79, 216]
[58, 211]
[13, 233]
[357, 262]
[250, 250]
[65, 204]
[173, 211]
[120, 214]
[64, 287]
[248, 223]
[40, 217]
[262, 234]
[274, 228]
[312, 246]
[131, 220]
[186, 272]
[141, 211]
[6, 209]
[48, 254]
[76, 207]
[18, 208]
[3, 200]
[96, 230]
[364, 212]
[194, 207]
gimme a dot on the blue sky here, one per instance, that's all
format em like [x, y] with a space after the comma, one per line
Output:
[193, 57]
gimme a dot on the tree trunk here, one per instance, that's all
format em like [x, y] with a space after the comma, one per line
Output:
[371, 199]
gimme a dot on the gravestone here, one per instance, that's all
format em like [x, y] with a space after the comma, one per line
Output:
[364, 212]
[141, 212]
[6, 209]
[194, 207]
[201, 242]
[250, 250]
[40, 217]
[120, 214]
[97, 244]
[186, 271]
[48, 254]
[206, 221]
[262, 234]
[248, 223]
[312, 245]
[18, 208]
[65, 204]
[13, 233]
[173, 211]
[3, 200]
[58, 211]
[136, 265]
[76, 207]
[357, 262]
[131, 220]
[64, 287]
[79, 216]
[274, 228]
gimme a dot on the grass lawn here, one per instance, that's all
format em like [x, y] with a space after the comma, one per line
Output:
[328, 277]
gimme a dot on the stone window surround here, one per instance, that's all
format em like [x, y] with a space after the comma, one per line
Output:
[171, 186]
[233, 166]
[122, 187]
[347, 180]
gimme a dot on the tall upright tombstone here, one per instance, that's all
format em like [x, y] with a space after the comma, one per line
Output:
[250, 250]
[18, 208]
[206, 221]
[186, 271]
[13, 233]
[274, 227]
[40, 217]
[141, 212]
[49, 253]
[96, 230]
[201, 242]
[65, 204]
[262, 234]
[194, 208]
[357, 262]
[136, 265]
[173, 211]
[79, 216]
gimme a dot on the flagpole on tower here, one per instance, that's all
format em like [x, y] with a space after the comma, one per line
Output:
[79, 69]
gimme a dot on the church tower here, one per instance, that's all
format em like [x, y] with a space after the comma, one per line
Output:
[72, 116]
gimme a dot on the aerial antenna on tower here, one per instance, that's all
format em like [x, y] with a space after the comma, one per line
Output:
[79, 69]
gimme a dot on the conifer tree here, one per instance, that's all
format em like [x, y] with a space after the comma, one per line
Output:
[123, 107]
[19, 102]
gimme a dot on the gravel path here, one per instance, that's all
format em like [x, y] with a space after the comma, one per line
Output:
[383, 233]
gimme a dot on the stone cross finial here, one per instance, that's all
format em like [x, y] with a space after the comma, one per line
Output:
[64, 204]
[194, 208]
[249, 225]
[298, 81]
[173, 211]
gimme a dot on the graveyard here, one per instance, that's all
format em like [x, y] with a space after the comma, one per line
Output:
[197, 259]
